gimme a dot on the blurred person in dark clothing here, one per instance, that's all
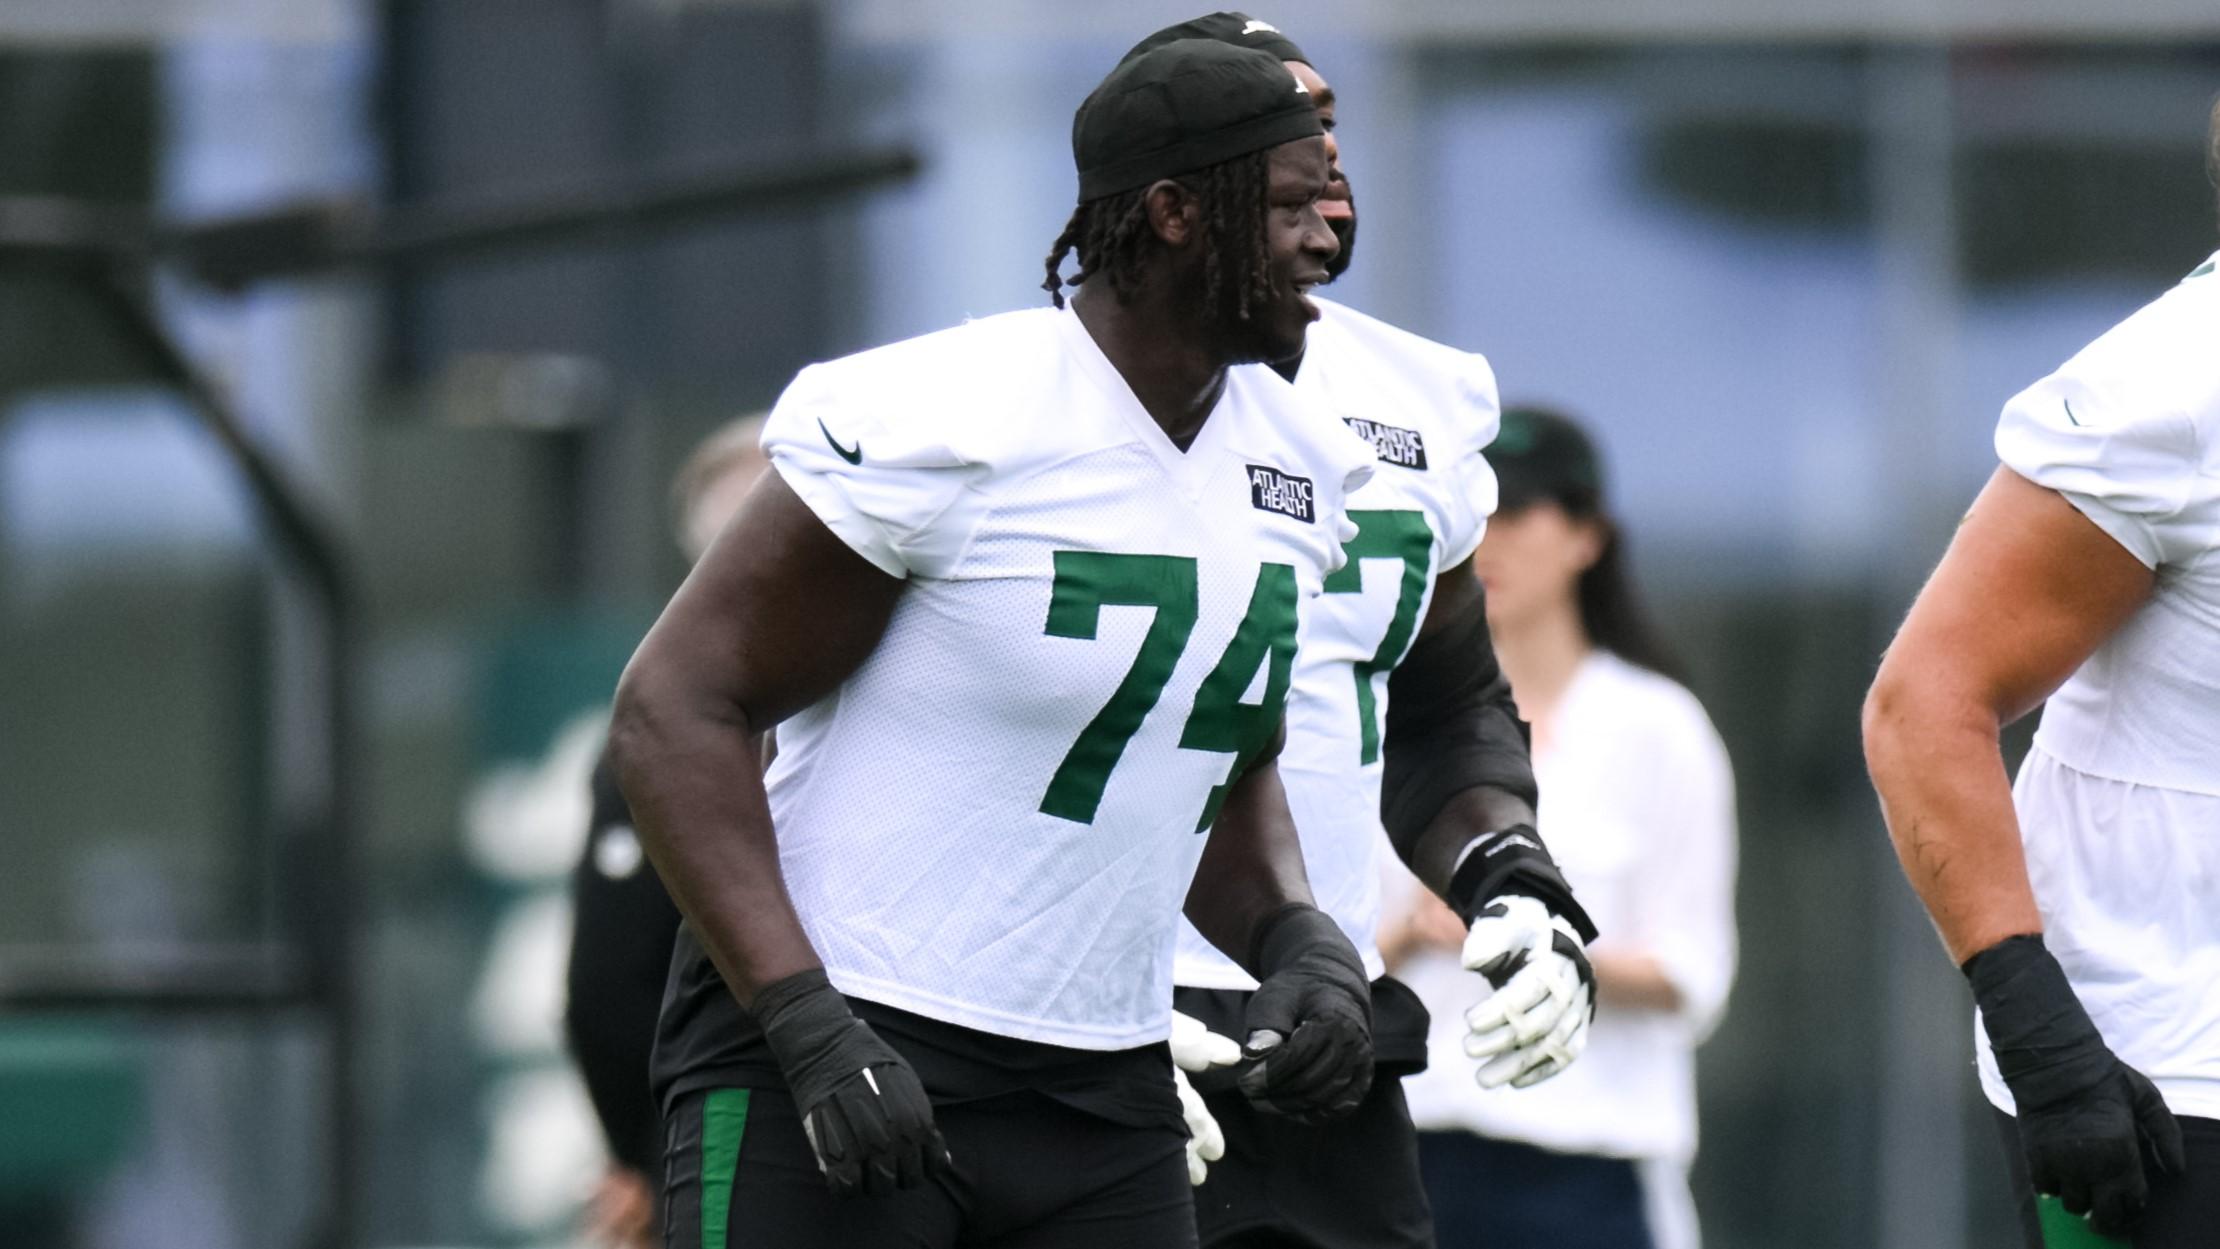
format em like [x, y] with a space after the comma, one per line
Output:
[1401, 737]
[625, 922]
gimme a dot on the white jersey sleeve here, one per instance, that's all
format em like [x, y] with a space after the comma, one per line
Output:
[1428, 408]
[1474, 400]
[877, 480]
[2119, 429]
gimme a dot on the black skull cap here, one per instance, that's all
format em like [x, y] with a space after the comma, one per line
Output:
[1188, 104]
[1238, 29]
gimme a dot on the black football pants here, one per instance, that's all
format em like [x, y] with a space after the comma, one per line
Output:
[1032, 1173]
[2184, 1210]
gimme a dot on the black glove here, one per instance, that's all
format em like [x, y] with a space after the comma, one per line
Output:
[1309, 1046]
[864, 1110]
[2085, 1117]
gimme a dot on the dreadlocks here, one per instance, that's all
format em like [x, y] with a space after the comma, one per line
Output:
[1111, 236]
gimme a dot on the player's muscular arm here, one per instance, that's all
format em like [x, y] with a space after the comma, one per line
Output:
[2029, 588]
[776, 615]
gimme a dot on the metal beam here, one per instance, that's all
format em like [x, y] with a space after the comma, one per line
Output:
[319, 236]
[1509, 22]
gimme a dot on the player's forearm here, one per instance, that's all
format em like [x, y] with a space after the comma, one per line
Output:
[1251, 868]
[1632, 979]
[685, 760]
[1467, 817]
[1936, 764]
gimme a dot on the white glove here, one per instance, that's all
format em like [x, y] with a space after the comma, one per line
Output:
[1196, 1048]
[1535, 1023]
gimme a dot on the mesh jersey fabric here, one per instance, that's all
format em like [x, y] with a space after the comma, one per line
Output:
[2119, 801]
[962, 838]
[1429, 410]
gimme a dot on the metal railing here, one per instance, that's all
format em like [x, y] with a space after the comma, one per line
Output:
[112, 251]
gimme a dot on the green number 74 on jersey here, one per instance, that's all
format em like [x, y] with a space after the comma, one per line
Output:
[1086, 582]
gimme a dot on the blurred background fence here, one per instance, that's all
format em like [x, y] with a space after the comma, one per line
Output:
[1788, 258]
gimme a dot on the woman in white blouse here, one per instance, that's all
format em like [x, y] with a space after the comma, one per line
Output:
[2082, 900]
[1637, 802]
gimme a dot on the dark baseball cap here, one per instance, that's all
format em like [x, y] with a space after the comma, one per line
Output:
[1183, 106]
[1541, 454]
[1238, 29]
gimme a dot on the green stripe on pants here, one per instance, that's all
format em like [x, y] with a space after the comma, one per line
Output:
[2065, 1230]
[724, 1120]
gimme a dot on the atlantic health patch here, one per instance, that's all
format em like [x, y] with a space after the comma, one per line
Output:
[1274, 491]
[1392, 443]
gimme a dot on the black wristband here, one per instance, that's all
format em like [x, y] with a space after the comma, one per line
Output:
[815, 1037]
[871, 1133]
[1514, 860]
[777, 1001]
[1290, 930]
[2043, 1040]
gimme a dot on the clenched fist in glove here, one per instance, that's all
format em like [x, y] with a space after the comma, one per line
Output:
[1196, 1048]
[1527, 938]
[862, 1106]
[1309, 1023]
[1535, 1023]
[2086, 1119]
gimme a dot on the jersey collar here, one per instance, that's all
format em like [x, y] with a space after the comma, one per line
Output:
[1190, 469]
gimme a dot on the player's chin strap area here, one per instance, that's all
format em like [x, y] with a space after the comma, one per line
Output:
[1514, 861]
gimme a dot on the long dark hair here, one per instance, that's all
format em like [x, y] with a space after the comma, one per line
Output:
[1612, 612]
[1545, 456]
[1112, 237]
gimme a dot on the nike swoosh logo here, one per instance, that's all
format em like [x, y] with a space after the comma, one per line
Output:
[853, 457]
[2203, 269]
[2070, 414]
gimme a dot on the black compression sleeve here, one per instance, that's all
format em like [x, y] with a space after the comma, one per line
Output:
[1451, 726]
[620, 955]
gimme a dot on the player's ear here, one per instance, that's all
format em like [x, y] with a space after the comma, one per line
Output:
[1174, 214]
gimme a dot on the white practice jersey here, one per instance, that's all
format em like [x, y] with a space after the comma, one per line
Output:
[1428, 411]
[995, 820]
[2119, 800]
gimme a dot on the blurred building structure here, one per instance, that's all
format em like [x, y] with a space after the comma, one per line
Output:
[1789, 255]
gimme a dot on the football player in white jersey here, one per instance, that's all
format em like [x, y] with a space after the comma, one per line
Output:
[1399, 717]
[2082, 900]
[1022, 599]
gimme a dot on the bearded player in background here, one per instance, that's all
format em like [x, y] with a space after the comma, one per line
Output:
[1400, 721]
